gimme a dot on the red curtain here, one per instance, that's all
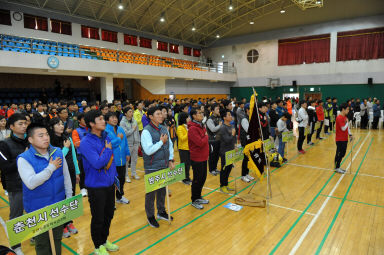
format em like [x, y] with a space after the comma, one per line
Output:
[145, 43]
[174, 48]
[66, 28]
[90, 32]
[5, 17]
[35, 22]
[308, 50]
[196, 52]
[130, 40]
[61, 27]
[163, 46]
[360, 44]
[187, 51]
[108, 36]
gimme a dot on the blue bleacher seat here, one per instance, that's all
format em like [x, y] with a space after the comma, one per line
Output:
[37, 51]
[76, 56]
[71, 55]
[15, 49]
[65, 54]
[89, 57]
[52, 53]
[39, 47]
[60, 54]
[6, 49]
[26, 45]
[11, 43]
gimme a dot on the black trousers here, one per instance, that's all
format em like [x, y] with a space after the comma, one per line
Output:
[199, 177]
[82, 174]
[225, 171]
[311, 131]
[340, 152]
[364, 121]
[301, 138]
[319, 130]
[102, 205]
[375, 122]
[214, 153]
[121, 176]
[244, 166]
[159, 196]
[43, 245]
[2, 178]
[184, 158]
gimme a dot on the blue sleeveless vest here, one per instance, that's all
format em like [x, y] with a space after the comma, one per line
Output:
[52, 190]
[160, 159]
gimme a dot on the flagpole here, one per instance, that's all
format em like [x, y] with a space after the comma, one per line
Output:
[269, 192]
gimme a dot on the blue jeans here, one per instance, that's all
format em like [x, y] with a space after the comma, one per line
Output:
[272, 132]
[281, 147]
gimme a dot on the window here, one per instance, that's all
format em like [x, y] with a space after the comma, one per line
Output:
[304, 50]
[145, 43]
[174, 48]
[108, 36]
[61, 27]
[90, 32]
[252, 56]
[35, 22]
[187, 51]
[360, 44]
[5, 17]
[130, 40]
[196, 52]
[163, 46]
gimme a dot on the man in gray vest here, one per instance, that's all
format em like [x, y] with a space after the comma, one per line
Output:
[157, 155]
[213, 127]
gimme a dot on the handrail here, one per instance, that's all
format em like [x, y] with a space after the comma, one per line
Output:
[100, 53]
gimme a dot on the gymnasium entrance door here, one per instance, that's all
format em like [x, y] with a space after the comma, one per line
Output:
[315, 96]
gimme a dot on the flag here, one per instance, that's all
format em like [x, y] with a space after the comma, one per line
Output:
[254, 147]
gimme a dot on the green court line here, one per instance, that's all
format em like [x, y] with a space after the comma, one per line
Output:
[160, 240]
[4, 206]
[308, 206]
[69, 248]
[342, 202]
[5, 200]
[355, 201]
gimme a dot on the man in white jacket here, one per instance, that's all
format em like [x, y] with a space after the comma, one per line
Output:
[302, 119]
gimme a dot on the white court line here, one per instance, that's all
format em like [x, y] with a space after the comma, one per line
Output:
[4, 226]
[329, 169]
[279, 206]
[313, 221]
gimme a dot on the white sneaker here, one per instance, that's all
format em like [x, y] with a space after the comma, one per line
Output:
[5, 192]
[127, 179]
[136, 177]
[245, 179]
[84, 192]
[123, 200]
[18, 251]
[250, 177]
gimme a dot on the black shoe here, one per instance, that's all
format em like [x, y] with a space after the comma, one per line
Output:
[152, 222]
[163, 216]
[187, 181]
[285, 160]
[214, 172]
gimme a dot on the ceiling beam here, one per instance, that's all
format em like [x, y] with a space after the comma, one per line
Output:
[79, 2]
[44, 4]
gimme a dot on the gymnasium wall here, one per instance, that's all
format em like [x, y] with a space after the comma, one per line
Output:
[17, 29]
[182, 86]
[333, 90]
[235, 50]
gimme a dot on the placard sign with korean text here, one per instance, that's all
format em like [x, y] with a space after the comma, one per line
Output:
[234, 156]
[37, 222]
[287, 136]
[163, 178]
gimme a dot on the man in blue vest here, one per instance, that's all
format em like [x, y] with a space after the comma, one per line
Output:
[46, 181]
[157, 155]
[100, 173]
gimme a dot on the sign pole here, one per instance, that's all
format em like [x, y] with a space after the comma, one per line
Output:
[52, 241]
[168, 204]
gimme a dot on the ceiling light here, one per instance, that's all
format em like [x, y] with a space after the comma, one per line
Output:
[282, 11]
[251, 22]
[120, 6]
[162, 17]
[318, 2]
[222, 56]
[217, 36]
[193, 29]
[230, 7]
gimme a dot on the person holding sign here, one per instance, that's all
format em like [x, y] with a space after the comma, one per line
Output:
[10, 149]
[199, 152]
[100, 174]
[157, 155]
[121, 152]
[342, 132]
[227, 136]
[282, 127]
[244, 125]
[328, 114]
[302, 119]
[46, 180]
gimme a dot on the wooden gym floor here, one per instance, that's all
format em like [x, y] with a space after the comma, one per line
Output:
[312, 211]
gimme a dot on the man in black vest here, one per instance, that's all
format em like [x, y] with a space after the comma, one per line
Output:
[213, 127]
[157, 155]
[10, 148]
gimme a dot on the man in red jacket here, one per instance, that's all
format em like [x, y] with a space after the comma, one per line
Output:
[342, 132]
[320, 117]
[199, 152]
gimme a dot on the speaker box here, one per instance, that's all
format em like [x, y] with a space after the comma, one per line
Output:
[370, 81]
[294, 83]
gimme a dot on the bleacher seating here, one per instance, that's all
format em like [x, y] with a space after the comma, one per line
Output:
[46, 47]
